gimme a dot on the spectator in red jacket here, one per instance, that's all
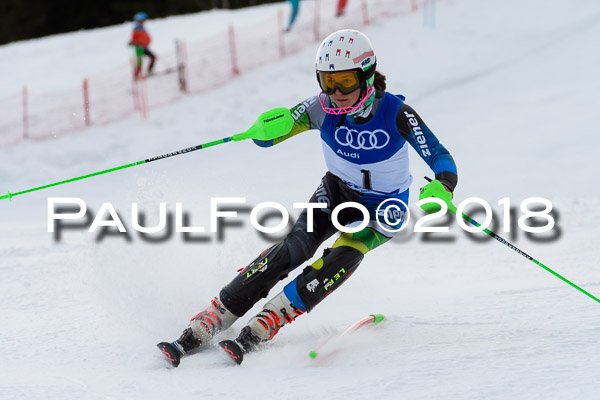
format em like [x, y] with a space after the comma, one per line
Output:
[141, 40]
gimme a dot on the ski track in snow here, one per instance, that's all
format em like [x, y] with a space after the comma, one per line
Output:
[511, 94]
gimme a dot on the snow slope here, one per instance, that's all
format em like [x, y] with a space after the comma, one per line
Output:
[508, 86]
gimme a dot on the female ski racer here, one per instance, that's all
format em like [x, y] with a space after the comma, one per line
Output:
[365, 135]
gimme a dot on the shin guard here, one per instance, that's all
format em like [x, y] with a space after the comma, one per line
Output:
[319, 280]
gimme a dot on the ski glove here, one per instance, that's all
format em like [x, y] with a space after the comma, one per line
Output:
[435, 189]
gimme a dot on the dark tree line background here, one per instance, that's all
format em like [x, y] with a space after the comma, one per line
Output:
[26, 19]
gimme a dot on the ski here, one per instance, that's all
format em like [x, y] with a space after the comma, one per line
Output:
[233, 350]
[166, 71]
[175, 351]
[171, 353]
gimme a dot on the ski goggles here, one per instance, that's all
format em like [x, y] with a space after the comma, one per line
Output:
[344, 81]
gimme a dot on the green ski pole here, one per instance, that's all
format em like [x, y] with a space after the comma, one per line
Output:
[269, 125]
[437, 190]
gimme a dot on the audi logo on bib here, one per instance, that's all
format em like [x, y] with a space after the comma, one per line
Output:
[363, 140]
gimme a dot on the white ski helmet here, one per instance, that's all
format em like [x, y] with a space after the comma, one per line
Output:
[348, 50]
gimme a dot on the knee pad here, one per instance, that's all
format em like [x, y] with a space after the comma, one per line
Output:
[319, 280]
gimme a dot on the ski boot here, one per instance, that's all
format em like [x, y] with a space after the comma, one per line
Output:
[175, 350]
[203, 327]
[262, 327]
[244, 343]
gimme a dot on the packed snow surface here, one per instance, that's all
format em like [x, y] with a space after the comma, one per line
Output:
[509, 87]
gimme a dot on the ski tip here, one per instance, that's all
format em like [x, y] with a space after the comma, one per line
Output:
[377, 318]
[232, 349]
[171, 354]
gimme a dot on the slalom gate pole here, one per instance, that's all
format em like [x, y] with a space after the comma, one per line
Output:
[269, 125]
[470, 220]
[372, 319]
